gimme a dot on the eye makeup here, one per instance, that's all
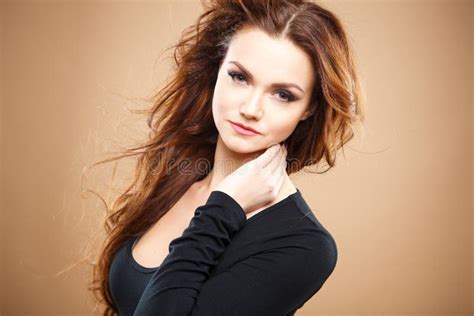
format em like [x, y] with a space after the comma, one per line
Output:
[288, 96]
[276, 85]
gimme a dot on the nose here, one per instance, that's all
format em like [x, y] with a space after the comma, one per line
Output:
[252, 109]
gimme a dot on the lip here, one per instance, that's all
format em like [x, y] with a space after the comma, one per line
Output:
[242, 129]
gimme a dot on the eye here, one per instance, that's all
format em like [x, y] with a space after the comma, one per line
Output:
[287, 95]
[234, 74]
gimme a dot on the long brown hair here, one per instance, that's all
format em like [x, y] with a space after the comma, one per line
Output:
[182, 129]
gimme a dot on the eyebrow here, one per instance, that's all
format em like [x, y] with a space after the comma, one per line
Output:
[279, 84]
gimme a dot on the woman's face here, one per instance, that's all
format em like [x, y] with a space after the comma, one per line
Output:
[247, 90]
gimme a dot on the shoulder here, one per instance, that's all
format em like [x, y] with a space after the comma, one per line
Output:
[308, 232]
[322, 252]
[310, 259]
[311, 246]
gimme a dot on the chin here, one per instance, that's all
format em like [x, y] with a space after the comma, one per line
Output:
[240, 145]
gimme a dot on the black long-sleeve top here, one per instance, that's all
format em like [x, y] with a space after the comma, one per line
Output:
[225, 264]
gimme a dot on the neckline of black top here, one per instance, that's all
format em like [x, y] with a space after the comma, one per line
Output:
[133, 241]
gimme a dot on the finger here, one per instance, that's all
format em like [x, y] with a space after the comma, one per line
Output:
[267, 156]
[278, 161]
[272, 166]
[281, 178]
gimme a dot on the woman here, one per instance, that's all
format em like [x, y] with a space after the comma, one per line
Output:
[212, 224]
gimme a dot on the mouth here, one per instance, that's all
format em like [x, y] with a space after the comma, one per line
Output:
[243, 129]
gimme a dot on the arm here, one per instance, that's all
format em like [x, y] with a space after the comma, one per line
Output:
[275, 282]
[272, 282]
[174, 287]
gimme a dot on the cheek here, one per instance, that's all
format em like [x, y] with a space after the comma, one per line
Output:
[223, 101]
[219, 106]
[221, 109]
[217, 98]
[282, 126]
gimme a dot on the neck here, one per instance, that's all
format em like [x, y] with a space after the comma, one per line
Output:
[226, 161]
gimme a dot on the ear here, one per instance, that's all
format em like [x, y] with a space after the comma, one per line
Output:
[307, 114]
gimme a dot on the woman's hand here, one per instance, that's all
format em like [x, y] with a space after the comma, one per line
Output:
[257, 182]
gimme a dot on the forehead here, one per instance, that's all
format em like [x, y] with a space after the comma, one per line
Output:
[269, 57]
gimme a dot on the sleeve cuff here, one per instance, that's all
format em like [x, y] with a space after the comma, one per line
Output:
[229, 203]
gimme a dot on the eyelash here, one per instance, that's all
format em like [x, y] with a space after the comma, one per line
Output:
[289, 95]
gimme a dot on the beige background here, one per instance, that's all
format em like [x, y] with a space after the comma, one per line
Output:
[399, 204]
